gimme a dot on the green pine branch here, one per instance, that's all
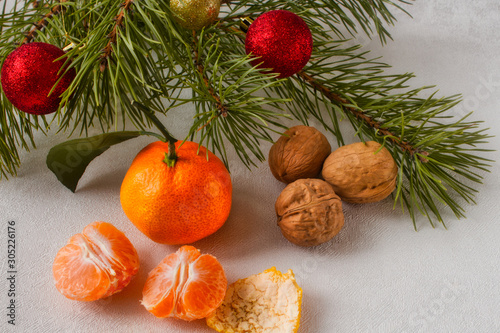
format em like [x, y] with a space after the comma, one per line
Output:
[434, 151]
[126, 51]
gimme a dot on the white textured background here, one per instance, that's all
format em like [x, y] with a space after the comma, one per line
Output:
[377, 275]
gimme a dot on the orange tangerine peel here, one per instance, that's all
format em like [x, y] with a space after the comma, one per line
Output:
[266, 302]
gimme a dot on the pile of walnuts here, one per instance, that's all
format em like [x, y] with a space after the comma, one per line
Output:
[309, 209]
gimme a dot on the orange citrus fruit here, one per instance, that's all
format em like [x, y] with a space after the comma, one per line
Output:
[265, 302]
[187, 285]
[179, 204]
[95, 264]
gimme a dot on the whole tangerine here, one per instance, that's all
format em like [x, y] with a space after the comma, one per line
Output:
[179, 203]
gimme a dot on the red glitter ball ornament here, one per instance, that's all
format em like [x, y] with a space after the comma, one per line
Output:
[28, 75]
[282, 40]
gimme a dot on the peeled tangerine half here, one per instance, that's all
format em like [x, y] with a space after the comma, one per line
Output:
[266, 302]
[186, 284]
[95, 264]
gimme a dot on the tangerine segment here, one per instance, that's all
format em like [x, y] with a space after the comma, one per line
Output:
[186, 284]
[95, 264]
[179, 204]
[265, 302]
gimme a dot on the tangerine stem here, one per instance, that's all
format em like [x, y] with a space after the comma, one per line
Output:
[151, 116]
[171, 156]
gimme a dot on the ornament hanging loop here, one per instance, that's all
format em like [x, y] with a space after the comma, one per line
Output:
[245, 23]
[69, 47]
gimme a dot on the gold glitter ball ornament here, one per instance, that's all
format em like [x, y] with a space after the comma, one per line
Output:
[195, 14]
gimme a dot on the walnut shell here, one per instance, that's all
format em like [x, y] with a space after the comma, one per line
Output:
[299, 153]
[309, 212]
[358, 174]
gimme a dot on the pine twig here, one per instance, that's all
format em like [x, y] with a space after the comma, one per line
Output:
[113, 35]
[38, 26]
[201, 69]
[360, 115]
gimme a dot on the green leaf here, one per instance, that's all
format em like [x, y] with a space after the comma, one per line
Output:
[68, 160]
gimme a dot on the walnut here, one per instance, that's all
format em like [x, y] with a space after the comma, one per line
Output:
[299, 153]
[360, 174]
[309, 212]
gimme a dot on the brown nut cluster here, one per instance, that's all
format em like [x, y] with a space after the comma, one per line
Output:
[298, 154]
[309, 212]
[360, 174]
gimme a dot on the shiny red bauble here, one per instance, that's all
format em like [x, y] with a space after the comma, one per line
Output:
[282, 40]
[30, 72]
